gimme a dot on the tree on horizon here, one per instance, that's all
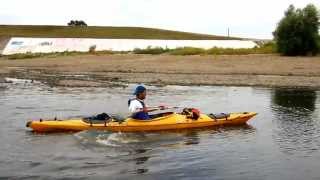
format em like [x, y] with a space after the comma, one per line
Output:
[297, 32]
[77, 23]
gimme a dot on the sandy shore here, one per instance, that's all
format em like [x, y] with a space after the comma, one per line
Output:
[111, 70]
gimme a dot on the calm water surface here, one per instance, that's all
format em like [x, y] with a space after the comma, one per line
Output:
[282, 142]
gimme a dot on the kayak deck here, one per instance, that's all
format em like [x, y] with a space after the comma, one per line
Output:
[169, 122]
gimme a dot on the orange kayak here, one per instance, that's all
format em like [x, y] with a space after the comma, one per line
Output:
[169, 121]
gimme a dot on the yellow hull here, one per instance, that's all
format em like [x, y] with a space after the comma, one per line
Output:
[170, 122]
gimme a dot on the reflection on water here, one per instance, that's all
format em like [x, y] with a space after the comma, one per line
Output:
[192, 138]
[296, 123]
[294, 98]
[139, 148]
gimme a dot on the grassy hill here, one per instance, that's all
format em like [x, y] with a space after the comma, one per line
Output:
[101, 32]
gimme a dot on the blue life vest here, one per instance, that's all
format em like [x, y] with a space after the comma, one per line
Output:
[139, 115]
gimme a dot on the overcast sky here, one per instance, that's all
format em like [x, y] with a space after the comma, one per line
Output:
[245, 18]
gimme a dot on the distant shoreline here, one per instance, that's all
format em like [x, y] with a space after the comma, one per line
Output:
[161, 70]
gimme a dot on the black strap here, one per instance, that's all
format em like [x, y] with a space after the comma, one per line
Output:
[129, 102]
[226, 116]
[213, 116]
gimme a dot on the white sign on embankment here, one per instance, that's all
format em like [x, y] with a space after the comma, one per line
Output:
[48, 45]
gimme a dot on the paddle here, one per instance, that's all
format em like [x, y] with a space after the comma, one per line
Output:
[165, 107]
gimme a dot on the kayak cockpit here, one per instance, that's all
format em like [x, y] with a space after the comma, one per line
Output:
[106, 118]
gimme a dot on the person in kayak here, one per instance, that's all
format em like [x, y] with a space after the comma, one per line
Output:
[138, 108]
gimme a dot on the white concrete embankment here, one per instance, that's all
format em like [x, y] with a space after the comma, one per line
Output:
[48, 45]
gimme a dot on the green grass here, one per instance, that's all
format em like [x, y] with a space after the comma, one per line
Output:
[187, 51]
[151, 50]
[101, 32]
[30, 55]
[268, 48]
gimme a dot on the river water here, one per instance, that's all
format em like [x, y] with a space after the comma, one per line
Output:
[282, 142]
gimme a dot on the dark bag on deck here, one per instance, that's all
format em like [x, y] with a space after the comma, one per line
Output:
[219, 116]
[102, 116]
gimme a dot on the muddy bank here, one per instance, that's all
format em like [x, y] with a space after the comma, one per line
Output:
[116, 70]
[3, 43]
[2, 80]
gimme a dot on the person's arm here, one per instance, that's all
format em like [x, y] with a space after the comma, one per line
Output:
[147, 109]
[137, 107]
